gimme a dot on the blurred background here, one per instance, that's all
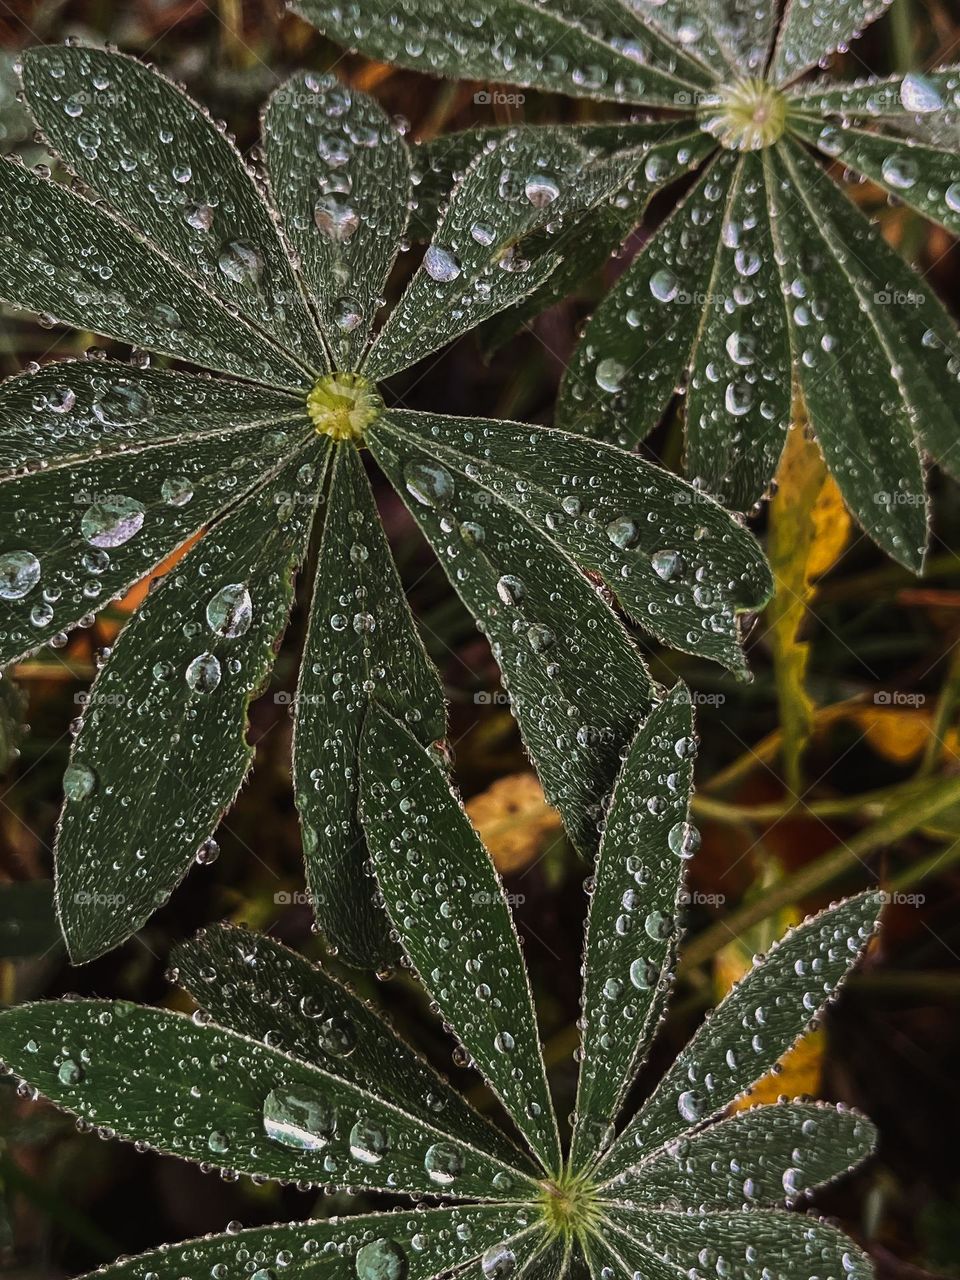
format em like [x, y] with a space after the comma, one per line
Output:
[837, 766]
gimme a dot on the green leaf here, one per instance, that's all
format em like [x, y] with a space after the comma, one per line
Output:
[258, 988]
[610, 1254]
[856, 405]
[811, 30]
[763, 1156]
[553, 46]
[28, 924]
[579, 691]
[447, 903]
[925, 178]
[69, 259]
[680, 565]
[751, 1028]
[232, 1102]
[340, 173]
[162, 748]
[418, 1244]
[633, 921]
[763, 1245]
[163, 166]
[107, 468]
[361, 644]
[638, 344]
[912, 101]
[738, 401]
[478, 262]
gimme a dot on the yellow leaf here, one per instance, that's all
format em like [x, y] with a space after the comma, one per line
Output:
[799, 1074]
[809, 527]
[514, 821]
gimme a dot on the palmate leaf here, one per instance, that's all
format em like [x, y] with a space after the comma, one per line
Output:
[698, 312]
[177, 689]
[233, 1102]
[749, 1031]
[417, 1243]
[510, 510]
[258, 988]
[361, 644]
[447, 903]
[134, 464]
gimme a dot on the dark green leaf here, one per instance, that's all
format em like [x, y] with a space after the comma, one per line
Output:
[66, 258]
[813, 29]
[925, 178]
[418, 1244]
[28, 923]
[447, 903]
[763, 1156]
[494, 243]
[738, 401]
[361, 644]
[231, 1103]
[751, 1028]
[164, 167]
[912, 101]
[610, 1254]
[107, 468]
[633, 921]
[638, 344]
[681, 566]
[856, 404]
[577, 684]
[162, 749]
[258, 988]
[763, 1245]
[340, 173]
[518, 42]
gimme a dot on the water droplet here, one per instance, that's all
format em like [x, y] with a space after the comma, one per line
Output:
[503, 1042]
[952, 196]
[218, 1142]
[241, 262]
[176, 491]
[498, 1262]
[541, 190]
[69, 1072]
[430, 483]
[199, 216]
[79, 781]
[440, 264]
[664, 285]
[230, 611]
[511, 589]
[122, 405]
[642, 974]
[301, 1118]
[336, 218]
[918, 94]
[683, 839]
[203, 674]
[443, 1163]
[623, 533]
[610, 374]
[19, 573]
[381, 1260]
[338, 1038]
[900, 171]
[666, 564]
[369, 1141]
[112, 521]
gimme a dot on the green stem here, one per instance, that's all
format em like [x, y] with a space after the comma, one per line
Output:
[946, 704]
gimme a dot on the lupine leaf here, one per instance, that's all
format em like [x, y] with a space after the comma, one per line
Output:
[763, 1245]
[637, 346]
[738, 402]
[650, 535]
[925, 178]
[905, 98]
[841, 361]
[813, 29]
[162, 747]
[751, 1028]
[64, 257]
[258, 988]
[517, 41]
[106, 469]
[611, 1253]
[418, 1243]
[447, 903]
[361, 644]
[633, 921]
[340, 173]
[763, 1156]
[477, 264]
[578, 696]
[231, 1102]
[743, 32]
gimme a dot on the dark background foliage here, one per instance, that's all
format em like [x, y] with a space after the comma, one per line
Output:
[883, 679]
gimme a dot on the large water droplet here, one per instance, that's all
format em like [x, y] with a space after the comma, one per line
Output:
[230, 611]
[440, 264]
[369, 1141]
[900, 171]
[429, 483]
[241, 262]
[112, 521]
[79, 781]
[336, 218]
[498, 1262]
[19, 573]
[203, 673]
[301, 1118]
[610, 374]
[540, 189]
[122, 405]
[443, 1163]
[381, 1260]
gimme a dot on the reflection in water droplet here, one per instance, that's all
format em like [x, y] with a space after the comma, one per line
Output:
[498, 1262]
[230, 611]
[369, 1141]
[19, 573]
[443, 1163]
[335, 218]
[112, 521]
[122, 405]
[301, 1118]
[203, 673]
[429, 482]
[79, 781]
[381, 1260]
[241, 262]
[610, 374]
[440, 264]
[540, 189]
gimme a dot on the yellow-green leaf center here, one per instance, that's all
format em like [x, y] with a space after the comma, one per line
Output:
[746, 116]
[343, 405]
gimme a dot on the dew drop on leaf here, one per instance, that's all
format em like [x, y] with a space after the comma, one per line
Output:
[441, 264]
[431, 484]
[79, 781]
[19, 573]
[298, 1118]
[230, 611]
[443, 1163]
[112, 521]
[381, 1260]
[498, 1262]
[203, 673]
